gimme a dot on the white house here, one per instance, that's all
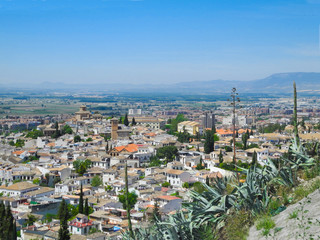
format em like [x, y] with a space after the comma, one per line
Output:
[18, 189]
[81, 225]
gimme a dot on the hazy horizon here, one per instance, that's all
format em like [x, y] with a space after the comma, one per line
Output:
[155, 41]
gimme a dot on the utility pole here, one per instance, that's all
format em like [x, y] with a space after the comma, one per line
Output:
[234, 100]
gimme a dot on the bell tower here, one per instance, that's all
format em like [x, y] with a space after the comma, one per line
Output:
[114, 128]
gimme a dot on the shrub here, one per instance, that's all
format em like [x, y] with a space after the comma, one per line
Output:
[266, 223]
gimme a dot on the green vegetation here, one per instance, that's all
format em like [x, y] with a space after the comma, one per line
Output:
[63, 215]
[34, 134]
[133, 122]
[36, 181]
[66, 130]
[200, 165]
[168, 153]
[245, 138]
[126, 121]
[173, 123]
[81, 166]
[81, 200]
[293, 215]
[183, 137]
[57, 132]
[266, 223]
[219, 204]
[49, 217]
[96, 181]
[272, 127]
[86, 207]
[77, 138]
[209, 141]
[132, 199]
[8, 229]
[165, 184]
[31, 219]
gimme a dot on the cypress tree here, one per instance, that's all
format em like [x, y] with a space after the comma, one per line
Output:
[254, 158]
[133, 122]
[2, 219]
[107, 147]
[220, 157]
[14, 234]
[86, 207]
[81, 201]
[63, 216]
[126, 121]
[209, 142]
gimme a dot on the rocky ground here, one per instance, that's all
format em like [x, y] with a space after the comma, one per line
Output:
[299, 221]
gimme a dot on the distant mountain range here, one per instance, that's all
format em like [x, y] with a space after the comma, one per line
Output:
[307, 82]
[276, 83]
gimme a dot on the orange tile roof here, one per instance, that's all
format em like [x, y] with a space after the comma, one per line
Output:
[151, 134]
[168, 198]
[223, 131]
[128, 148]
[243, 130]
[18, 152]
[52, 144]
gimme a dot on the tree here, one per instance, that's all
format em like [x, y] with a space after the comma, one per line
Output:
[126, 121]
[31, 219]
[183, 136]
[107, 147]
[133, 122]
[81, 200]
[77, 138]
[254, 158]
[57, 132]
[156, 213]
[82, 166]
[200, 165]
[209, 142]
[86, 207]
[8, 229]
[245, 138]
[63, 214]
[19, 143]
[108, 188]
[154, 162]
[185, 185]
[168, 153]
[66, 129]
[165, 184]
[96, 181]
[34, 134]
[132, 199]
[220, 157]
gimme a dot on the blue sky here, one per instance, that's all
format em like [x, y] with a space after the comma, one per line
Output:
[156, 41]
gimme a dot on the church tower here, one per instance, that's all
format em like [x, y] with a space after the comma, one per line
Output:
[114, 128]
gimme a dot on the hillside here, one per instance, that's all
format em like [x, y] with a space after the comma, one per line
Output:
[298, 221]
[276, 83]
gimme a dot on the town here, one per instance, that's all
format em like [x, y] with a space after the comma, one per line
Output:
[162, 150]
